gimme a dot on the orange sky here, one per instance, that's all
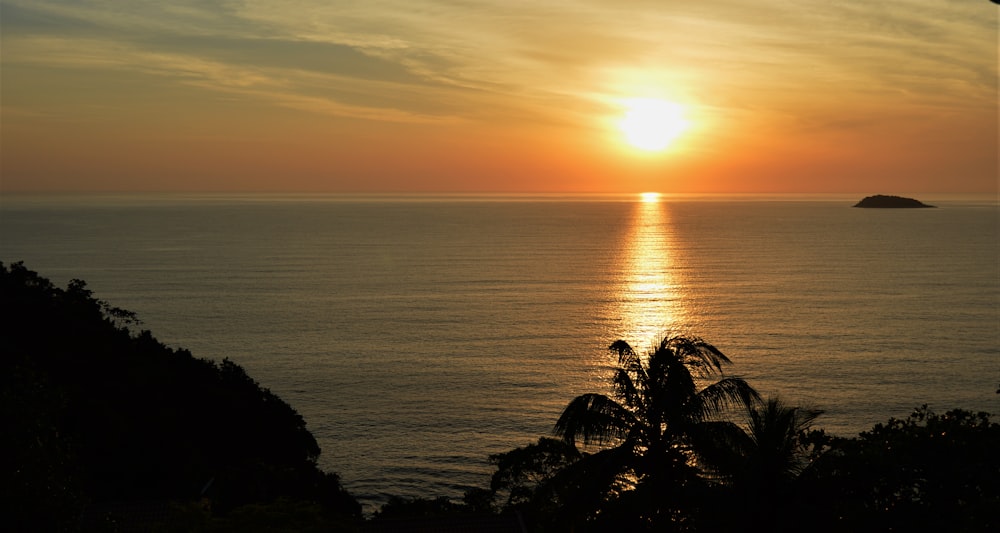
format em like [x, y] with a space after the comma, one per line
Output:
[435, 96]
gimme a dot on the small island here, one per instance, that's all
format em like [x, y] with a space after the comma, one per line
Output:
[885, 201]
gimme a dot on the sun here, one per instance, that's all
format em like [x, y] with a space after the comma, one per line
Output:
[651, 124]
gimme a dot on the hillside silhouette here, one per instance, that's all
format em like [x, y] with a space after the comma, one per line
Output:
[100, 416]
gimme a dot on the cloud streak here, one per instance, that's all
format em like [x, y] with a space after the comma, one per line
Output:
[537, 50]
[745, 70]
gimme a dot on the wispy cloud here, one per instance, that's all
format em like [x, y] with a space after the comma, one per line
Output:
[488, 52]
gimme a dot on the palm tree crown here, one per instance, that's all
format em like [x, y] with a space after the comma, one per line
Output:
[657, 398]
[658, 406]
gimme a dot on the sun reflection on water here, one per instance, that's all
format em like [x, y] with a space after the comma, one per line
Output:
[649, 291]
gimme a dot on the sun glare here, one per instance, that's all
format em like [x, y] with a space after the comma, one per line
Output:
[650, 197]
[650, 124]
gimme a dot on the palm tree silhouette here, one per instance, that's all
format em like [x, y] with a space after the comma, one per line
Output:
[757, 463]
[663, 404]
[771, 449]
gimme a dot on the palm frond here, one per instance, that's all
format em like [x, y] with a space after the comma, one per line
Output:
[774, 415]
[775, 430]
[673, 375]
[721, 395]
[596, 419]
[629, 360]
[720, 447]
[583, 486]
[696, 353]
[621, 348]
[805, 418]
[626, 389]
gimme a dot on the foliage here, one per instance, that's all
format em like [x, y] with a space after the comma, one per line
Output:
[669, 458]
[533, 480]
[925, 472]
[102, 413]
[99, 417]
[756, 464]
[476, 501]
[281, 516]
[663, 404]
[408, 508]
[525, 474]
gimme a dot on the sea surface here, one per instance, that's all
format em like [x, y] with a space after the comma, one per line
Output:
[417, 335]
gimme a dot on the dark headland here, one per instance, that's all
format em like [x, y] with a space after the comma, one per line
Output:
[885, 201]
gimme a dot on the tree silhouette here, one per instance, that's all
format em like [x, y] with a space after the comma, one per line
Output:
[927, 472]
[756, 464]
[664, 403]
[524, 475]
[104, 414]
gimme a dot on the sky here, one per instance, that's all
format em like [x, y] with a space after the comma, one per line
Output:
[482, 96]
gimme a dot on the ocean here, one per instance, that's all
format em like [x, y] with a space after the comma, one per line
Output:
[417, 335]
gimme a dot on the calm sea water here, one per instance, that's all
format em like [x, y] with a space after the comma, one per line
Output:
[418, 335]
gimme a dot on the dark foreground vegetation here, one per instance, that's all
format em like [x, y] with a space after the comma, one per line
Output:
[107, 429]
[104, 427]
